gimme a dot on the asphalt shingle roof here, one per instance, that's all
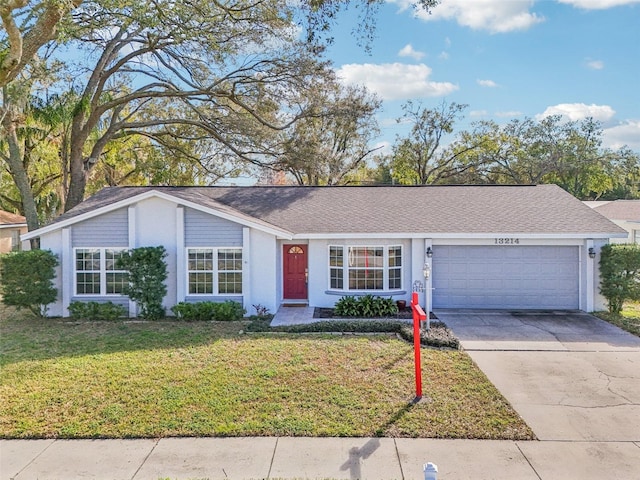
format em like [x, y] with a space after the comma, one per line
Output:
[541, 209]
[628, 210]
[8, 218]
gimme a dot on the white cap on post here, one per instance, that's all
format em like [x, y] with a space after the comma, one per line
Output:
[430, 471]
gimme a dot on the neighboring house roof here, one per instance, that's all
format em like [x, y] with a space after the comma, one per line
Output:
[621, 210]
[544, 210]
[11, 220]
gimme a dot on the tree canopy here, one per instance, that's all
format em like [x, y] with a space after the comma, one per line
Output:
[115, 92]
[522, 151]
[210, 86]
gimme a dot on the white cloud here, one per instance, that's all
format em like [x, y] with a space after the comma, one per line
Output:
[598, 4]
[478, 113]
[579, 111]
[487, 83]
[496, 16]
[627, 133]
[408, 51]
[383, 148]
[443, 56]
[395, 81]
[595, 64]
[509, 114]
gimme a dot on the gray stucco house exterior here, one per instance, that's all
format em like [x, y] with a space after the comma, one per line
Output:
[498, 247]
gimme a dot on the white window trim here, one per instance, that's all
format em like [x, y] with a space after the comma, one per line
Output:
[345, 269]
[103, 272]
[214, 272]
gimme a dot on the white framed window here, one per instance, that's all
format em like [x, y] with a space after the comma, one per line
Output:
[214, 271]
[365, 267]
[96, 272]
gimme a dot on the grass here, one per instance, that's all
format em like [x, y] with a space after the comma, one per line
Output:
[62, 379]
[629, 318]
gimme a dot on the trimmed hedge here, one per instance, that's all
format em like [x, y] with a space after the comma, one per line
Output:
[439, 335]
[226, 311]
[96, 311]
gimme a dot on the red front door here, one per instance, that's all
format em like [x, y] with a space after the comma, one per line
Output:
[295, 272]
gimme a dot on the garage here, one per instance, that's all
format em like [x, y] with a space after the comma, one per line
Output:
[507, 276]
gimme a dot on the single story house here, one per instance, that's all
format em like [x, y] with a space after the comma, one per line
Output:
[624, 213]
[498, 247]
[11, 227]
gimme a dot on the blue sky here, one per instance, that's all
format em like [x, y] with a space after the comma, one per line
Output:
[504, 58]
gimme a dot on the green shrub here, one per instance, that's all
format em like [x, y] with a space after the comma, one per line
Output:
[344, 326]
[199, 311]
[620, 274]
[27, 279]
[226, 311]
[347, 307]
[147, 273]
[96, 311]
[366, 306]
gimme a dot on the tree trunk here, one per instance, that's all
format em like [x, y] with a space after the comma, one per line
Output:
[77, 178]
[19, 174]
[78, 171]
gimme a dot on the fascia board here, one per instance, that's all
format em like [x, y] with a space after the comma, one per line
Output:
[12, 225]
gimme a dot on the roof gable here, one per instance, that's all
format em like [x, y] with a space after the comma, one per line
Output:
[113, 198]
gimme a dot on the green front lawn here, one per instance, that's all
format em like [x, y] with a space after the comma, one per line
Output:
[61, 379]
[628, 320]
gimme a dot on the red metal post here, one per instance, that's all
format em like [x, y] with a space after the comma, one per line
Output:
[418, 316]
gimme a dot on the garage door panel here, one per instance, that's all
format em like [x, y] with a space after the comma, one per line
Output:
[509, 254]
[456, 284]
[532, 270]
[478, 284]
[506, 277]
[457, 268]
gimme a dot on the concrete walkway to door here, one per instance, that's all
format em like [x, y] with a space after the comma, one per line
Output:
[571, 376]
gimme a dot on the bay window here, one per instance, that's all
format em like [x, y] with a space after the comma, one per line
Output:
[365, 267]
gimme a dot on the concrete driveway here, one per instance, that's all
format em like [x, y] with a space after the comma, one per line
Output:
[571, 376]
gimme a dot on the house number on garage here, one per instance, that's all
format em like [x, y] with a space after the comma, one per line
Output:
[507, 241]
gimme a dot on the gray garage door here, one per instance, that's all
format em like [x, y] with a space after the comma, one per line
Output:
[527, 277]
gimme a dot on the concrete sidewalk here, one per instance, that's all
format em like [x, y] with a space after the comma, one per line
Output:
[315, 458]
